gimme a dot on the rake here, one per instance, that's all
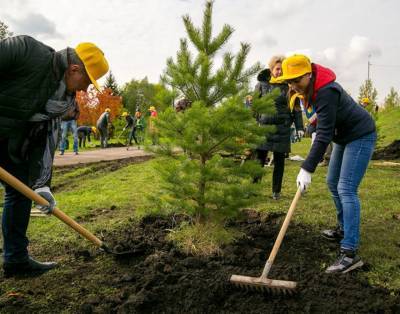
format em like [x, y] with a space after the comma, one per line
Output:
[263, 282]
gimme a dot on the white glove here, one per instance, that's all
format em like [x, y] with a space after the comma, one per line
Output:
[300, 133]
[46, 194]
[303, 179]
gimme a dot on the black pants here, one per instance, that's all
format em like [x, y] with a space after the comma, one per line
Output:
[132, 134]
[279, 168]
[82, 141]
[16, 211]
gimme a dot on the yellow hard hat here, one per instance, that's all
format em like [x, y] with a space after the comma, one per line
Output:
[124, 114]
[152, 108]
[107, 110]
[94, 130]
[95, 63]
[292, 67]
[365, 100]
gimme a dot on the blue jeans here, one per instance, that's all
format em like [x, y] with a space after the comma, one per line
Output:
[65, 127]
[16, 212]
[346, 170]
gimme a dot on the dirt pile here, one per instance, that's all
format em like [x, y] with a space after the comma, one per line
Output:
[389, 152]
[160, 279]
[164, 280]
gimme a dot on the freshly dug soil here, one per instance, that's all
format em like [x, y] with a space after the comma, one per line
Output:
[160, 279]
[389, 152]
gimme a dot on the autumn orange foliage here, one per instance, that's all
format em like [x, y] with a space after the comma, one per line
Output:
[93, 103]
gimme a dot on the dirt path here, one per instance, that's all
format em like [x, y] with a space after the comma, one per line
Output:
[112, 153]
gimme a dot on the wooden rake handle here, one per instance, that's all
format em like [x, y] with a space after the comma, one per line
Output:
[281, 234]
[29, 193]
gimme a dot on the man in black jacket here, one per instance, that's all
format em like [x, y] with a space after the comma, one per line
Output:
[37, 88]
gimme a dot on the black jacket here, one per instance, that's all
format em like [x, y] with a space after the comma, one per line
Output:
[30, 74]
[339, 118]
[282, 119]
[130, 121]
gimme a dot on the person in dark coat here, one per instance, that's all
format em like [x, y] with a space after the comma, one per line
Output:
[353, 132]
[84, 133]
[37, 87]
[278, 142]
[131, 126]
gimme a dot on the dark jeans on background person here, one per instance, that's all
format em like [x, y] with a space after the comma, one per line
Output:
[346, 169]
[16, 212]
[132, 135]
[279, 168]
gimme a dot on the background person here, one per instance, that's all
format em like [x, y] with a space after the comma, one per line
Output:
[352, 129]
[69, 124]
[84, 133]
[278, 142]
[102, 126]
[131, 126]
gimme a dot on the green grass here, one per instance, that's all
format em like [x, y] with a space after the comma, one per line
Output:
[389, 126]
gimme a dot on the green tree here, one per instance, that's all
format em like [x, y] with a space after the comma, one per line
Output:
[4, 32]
[367, 90]
[138, 94]
[392, 99]
[200, 181]
[111, 83]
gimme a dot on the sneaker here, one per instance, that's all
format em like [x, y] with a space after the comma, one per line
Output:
[276, 196]
[29, 267]
[336, 234]
[76, 153]
[61, 153]
[347, 261]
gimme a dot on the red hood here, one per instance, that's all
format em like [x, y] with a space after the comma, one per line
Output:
[323, 76]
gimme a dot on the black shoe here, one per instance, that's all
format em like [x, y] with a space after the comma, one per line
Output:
[276, 196]
[29, 267]
[336, 234]
[347, 261]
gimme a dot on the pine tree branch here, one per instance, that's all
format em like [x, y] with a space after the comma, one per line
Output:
[207, 26]
[220, 39]
[193, 33]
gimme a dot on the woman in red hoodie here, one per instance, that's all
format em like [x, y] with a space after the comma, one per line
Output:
[351, 128]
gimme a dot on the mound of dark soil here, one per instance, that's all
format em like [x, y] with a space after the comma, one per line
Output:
[160, 279]
[165, 280]
[389, 152]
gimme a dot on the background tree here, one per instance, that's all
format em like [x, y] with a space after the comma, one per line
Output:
[200, 182]
[392, 99]
[142, 94]
[93, 103]
[111, 83]
[369, 91]
[4, 32]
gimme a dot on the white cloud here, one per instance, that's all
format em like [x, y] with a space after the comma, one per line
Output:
[361, 46]
[35, 24]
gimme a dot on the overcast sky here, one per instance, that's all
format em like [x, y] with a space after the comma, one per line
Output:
[138, 36]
